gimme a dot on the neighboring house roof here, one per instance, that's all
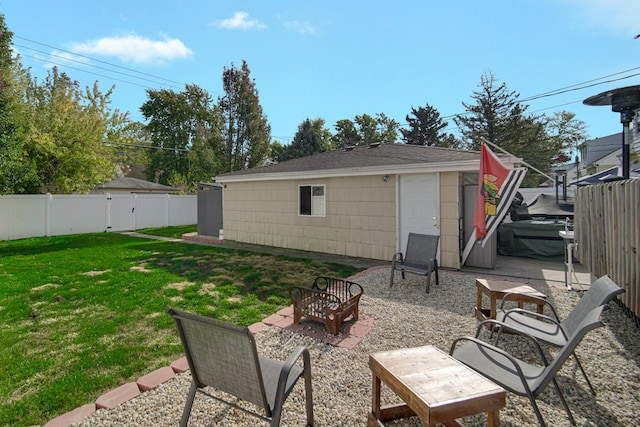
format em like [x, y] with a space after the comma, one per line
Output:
[365, 160]
[599, 148]
[136, 171]
[134, 185]
[597, 178]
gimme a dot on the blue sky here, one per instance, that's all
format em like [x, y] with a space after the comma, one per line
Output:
[338, 59]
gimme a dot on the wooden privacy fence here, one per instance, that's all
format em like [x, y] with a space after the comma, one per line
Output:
[607, 235]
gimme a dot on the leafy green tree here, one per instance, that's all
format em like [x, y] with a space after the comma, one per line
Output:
[426, 128]
[568, 132]
[17, 171]
[319, 126]
[387, 129]
[346, 134]
[311, 137]
[247, 133]
[365, 130]
[525, 136]
[276, 152]
[131, 144]
[178, 123]
[179, 181]
[55, 135]
[204, 155]
[68, 133]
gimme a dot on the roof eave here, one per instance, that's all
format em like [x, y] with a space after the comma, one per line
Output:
[453, 166]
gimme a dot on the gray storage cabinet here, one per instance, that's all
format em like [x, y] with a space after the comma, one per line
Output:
[209, 209]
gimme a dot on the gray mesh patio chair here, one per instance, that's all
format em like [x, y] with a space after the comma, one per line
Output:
[419, 258]
[549, 329]
[224, 356]
[515, 375]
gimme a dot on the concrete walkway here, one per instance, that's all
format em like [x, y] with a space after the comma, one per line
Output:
[528, 270]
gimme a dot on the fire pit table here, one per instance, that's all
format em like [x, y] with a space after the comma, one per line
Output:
[329, 300]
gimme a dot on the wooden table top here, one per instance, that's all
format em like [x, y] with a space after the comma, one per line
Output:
[498, 286]
[435, 385]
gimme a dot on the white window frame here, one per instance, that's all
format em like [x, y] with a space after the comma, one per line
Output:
[318, 203]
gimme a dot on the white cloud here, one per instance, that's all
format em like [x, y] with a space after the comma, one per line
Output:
[302, 27]
[239, 22]
[135, 49]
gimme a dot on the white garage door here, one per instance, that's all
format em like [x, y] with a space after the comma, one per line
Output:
[419, 206]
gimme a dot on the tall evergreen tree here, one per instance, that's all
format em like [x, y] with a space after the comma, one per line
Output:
[247, 133]
[311, 137]
[498, 117]
[426, 128]
[486, 118]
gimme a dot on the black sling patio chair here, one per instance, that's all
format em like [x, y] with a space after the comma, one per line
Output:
[224, 356]
[419, 258]
[515, 375]
[550, 329]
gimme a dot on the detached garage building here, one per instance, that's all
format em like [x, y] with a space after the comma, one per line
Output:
[360, 202]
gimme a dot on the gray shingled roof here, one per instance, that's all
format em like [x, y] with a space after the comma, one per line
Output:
[383, 155]
[601, 147]
[128, 183]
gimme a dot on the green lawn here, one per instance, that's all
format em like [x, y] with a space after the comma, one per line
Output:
[84, 314]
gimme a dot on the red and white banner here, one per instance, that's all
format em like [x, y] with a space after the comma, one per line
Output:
[497, 186]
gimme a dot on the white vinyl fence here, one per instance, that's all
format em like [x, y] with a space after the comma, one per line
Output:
[37, 215]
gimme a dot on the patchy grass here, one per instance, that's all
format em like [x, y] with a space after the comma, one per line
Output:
[83, 314]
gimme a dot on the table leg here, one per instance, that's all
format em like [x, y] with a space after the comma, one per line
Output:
[375, 397]
[493, 305]
[493, 418]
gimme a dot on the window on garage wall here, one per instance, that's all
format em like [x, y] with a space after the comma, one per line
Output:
[311, 200]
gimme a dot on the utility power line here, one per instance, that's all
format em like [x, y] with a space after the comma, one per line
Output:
[152, 147]
[98, 60]
[171, 83]
[66, 59]
[89, 72]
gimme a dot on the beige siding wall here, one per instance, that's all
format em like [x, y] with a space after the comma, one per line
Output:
[451, 209]
[360, 216]
[359, 222]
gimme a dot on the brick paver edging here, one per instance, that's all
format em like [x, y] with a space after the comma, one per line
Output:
[122, 394]
[128, 391]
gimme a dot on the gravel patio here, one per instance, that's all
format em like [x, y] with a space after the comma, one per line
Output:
[407, 317]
